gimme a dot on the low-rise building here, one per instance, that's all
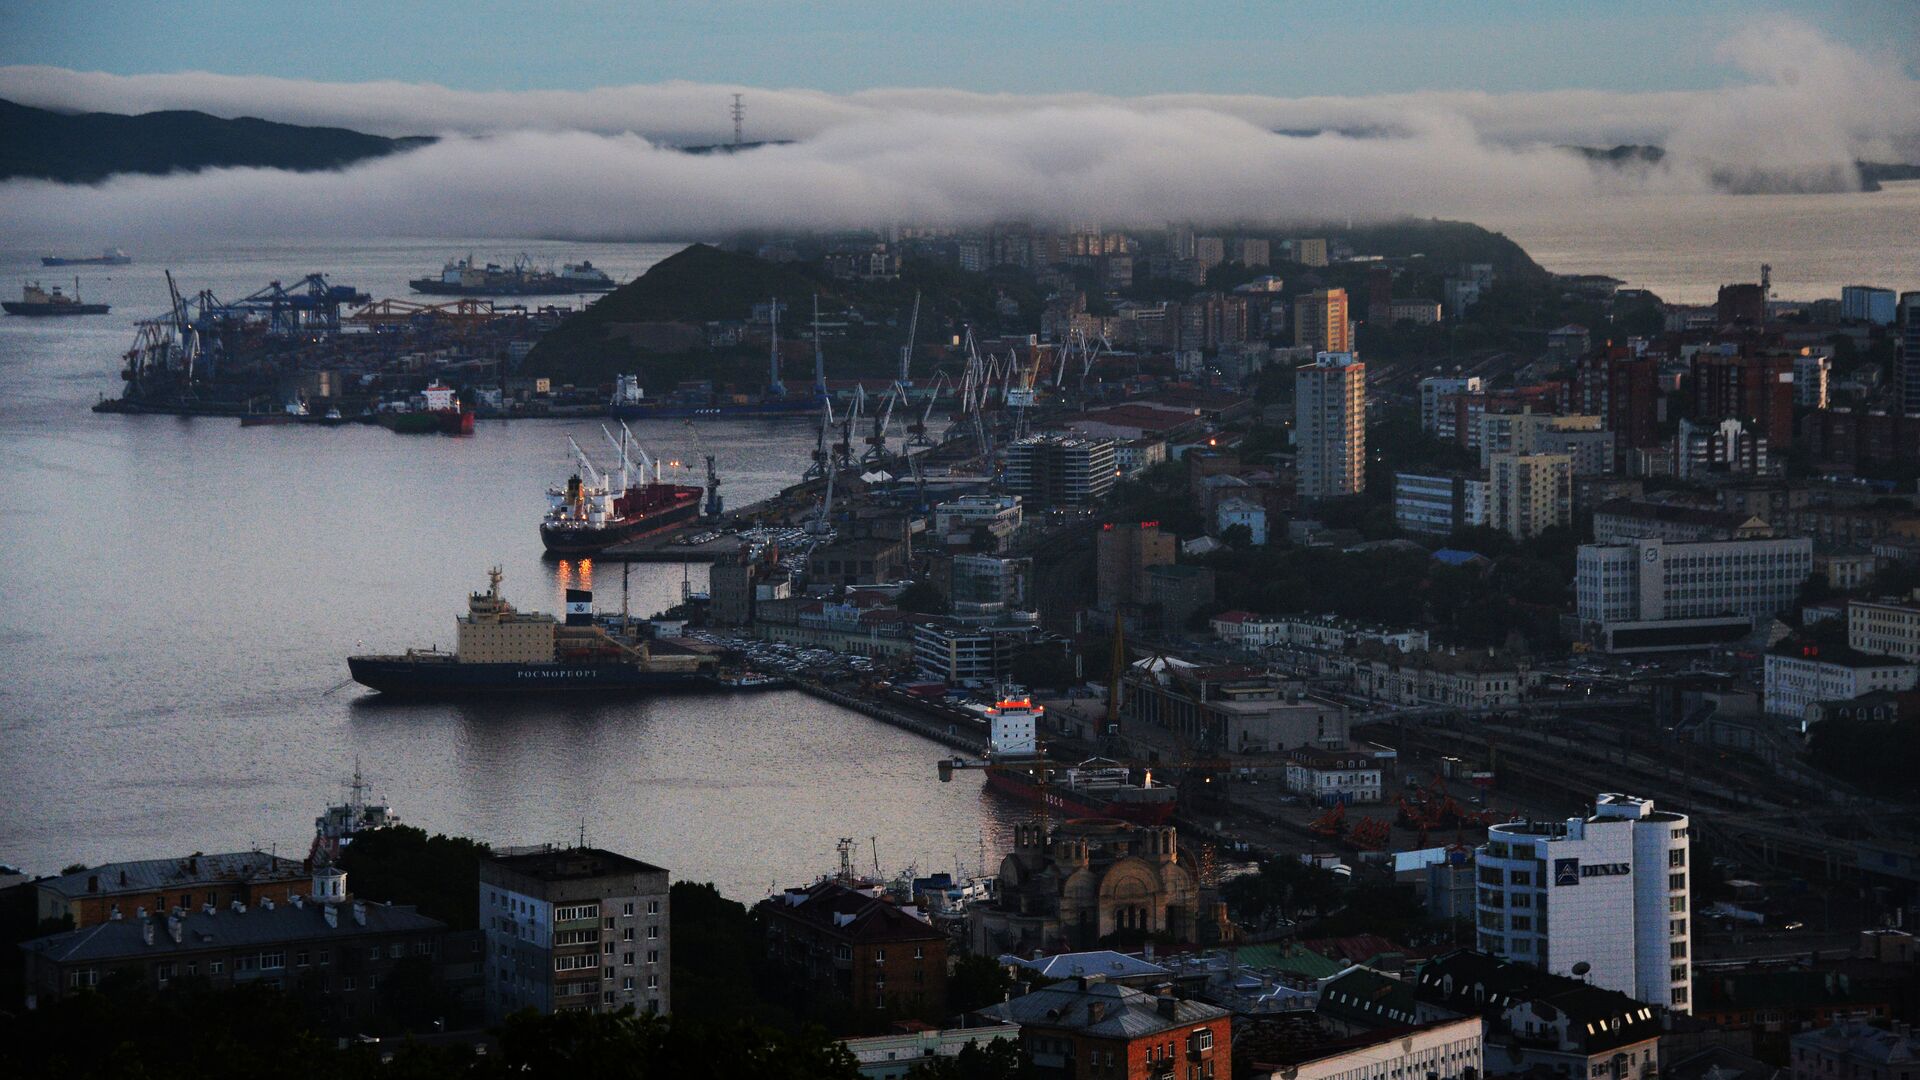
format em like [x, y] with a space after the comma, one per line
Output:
[1560, 1024]
[1885, 627]
[1856, 1050]
[1800, 676]
[97, 894]
[574, 929]
[1333, 777]
[1231, 709]
[847, 946]
[893, 1056]
[1093, 1028]
[321, 942]
[1437, 1050]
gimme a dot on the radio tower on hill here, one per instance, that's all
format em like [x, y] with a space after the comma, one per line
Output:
[739, 116]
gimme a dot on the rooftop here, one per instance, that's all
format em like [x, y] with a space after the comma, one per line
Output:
[570, 864]
[152, 875]
[224, 928]
[1095, 1007]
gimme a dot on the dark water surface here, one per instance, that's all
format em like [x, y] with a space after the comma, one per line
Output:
[177, 598]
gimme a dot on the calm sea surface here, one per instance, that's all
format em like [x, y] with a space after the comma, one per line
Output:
[1684, 247]
[177, 599]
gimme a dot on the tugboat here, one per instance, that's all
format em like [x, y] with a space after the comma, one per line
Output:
[502, 650]
[1017, 765]
[108, 257]
[335, 829]
[439, 413]
[35, 300]
[593, 511]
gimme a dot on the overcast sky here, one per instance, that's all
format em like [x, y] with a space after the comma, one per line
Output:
[1352, 47]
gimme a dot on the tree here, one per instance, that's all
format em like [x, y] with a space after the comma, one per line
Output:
[999, 1059]
[922, 597]
[439, 874]
[975, 983]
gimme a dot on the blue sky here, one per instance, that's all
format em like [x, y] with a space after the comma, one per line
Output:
[1286, 49]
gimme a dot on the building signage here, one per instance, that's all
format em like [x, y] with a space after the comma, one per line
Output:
[1569, 871]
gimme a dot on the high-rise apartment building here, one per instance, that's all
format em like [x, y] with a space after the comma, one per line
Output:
[1604, 897]
[1124, 552]
[1321, 321]
[1330, 425]
[1866, 303]
[1755, 387]
[1047, 470]
[574, 929]
[1623, 389]
[1908, 362]
[1529, 493]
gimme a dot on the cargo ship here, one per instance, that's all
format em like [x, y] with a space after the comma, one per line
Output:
[1097, 787]
[108, 257]
[35, 300]
[439, 413]
[595, 510]
[461, 277]
[502, 650]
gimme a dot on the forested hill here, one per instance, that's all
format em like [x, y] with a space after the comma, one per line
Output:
[86, 147]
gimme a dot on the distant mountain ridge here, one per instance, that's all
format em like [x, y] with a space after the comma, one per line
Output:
[1638, 157]
[88, 147]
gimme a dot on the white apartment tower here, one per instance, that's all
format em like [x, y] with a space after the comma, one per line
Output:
[1604, 898]
[1330, 425]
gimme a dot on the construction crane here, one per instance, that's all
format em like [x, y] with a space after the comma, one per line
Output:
[906, 351]
[714, 503]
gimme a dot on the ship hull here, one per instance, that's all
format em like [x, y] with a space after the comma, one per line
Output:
[666, 411]
[430, 423]
[16, 307]
[1056, 799]
[404, 677]
[553, 287]
[588, 541]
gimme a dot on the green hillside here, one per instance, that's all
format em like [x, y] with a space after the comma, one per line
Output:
[85, 147]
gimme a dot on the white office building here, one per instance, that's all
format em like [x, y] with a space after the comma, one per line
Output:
[1603, 897]
[1650, 594]
[1796, 681]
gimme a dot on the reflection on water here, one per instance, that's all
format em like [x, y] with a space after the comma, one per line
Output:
[180, 596]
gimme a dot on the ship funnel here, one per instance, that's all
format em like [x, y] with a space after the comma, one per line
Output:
[579, 607]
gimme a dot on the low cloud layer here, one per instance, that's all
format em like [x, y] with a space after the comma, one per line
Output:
[597, 163]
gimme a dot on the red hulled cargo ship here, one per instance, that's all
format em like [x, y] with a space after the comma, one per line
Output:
[593, 511]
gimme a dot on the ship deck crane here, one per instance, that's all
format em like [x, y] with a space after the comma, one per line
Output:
[715, 505]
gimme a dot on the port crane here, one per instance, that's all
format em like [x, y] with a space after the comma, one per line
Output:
[906, 351]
